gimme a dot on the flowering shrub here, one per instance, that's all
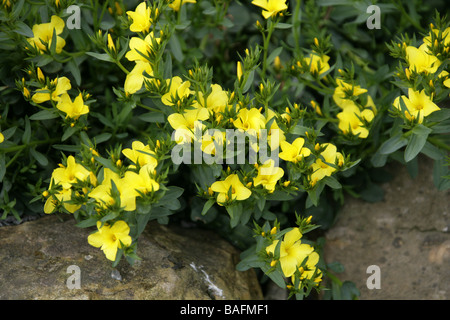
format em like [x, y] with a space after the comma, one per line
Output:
[191, 110]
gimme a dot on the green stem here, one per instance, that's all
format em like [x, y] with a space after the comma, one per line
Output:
[296, 30]
[119, 64]
[23, 146]
[439, 143]
[272, 25]
[147, 107]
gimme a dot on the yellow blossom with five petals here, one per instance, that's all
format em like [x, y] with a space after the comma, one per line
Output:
[109, 238]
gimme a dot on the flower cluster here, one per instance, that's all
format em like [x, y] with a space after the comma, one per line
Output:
[245, 121]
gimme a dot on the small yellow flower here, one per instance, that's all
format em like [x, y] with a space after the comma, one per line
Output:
[350, 121]
[268, 175]
[2, 137]
[103, 195]
[418, 105]
[322, 168]
[109, 238]
[233, 184]
[185, 123]
[250, 119]
[43, 34]
[295, 151]
[73, 109]
[140, 49]
[176, 4]
[142, 182]
[141, 154]
[318, 64]
[135, 79]
[66, 176]
[343, 88]
[292, 251]
[178, 88]
[141, 18]
[270, 7]
[420, 60]
[62, 86]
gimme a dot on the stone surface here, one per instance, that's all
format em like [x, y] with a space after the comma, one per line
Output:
[38, 259]
[406, 236]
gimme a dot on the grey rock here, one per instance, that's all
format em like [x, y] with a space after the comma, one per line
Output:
[405, 235]
[39, 260]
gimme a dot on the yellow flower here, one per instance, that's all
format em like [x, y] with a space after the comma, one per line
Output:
[231, 185]
[109, 238]
[176, 4]
[2, 137]
[135, 79]
[185, 123]
[64, 196]
[217, 100]
[140, 49]
[418, 105]
[294, 152]
[445, 37]
[292, 251]
[62, 85]
[274, 130]
[103, 192]
[142, 182]
[321, 168]
[421, 61]
[250, 119]
[43, 34]
[66, 176]
[211, 142]
[141, 154]
[271, 7]
[308, 270]
[350, 121]
[342, 88]
[268, 175]
[178, 89]
[318, 64]
[73, 109]
[141, 18]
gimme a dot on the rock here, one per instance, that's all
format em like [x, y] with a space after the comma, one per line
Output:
[41, 259]
[406, 236]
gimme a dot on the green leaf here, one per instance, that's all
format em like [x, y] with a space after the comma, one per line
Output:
[73, 68]
[208, 204]
[39, 157]
[175, 46]
[23, 29]
[274, 54]
[44, 115]
[68, 133]
[416, 143]
[393, 144]
[27, 132]
[100, 56]
[332, 182]
[152, 117]
[87, 223]
[281, 25]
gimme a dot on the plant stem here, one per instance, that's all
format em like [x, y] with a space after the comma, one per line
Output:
[271, 27]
